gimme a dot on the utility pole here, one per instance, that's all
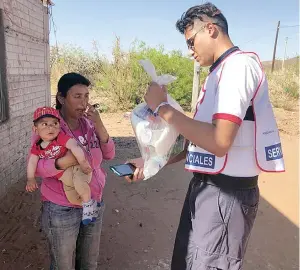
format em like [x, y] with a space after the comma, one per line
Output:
[275, 46]
[285, 49]
[196, 79]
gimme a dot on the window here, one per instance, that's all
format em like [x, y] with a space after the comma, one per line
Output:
[3, 85]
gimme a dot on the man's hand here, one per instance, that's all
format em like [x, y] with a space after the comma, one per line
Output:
[139, 171]
[155, 95]
[66, 161]
[31, 185]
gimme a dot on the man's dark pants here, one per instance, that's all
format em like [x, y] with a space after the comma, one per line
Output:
[215, 223]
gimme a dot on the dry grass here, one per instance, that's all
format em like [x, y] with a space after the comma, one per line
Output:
[118, 84]
[284, 87]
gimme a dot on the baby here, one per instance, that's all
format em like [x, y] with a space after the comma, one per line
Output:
[53, 144]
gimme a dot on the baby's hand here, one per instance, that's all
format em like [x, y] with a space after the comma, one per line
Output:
[31, 185]
[85, 167]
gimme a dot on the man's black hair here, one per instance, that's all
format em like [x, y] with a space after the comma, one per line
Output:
[67, 81]
[196, 12]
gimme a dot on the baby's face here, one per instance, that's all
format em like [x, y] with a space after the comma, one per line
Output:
[47, 128]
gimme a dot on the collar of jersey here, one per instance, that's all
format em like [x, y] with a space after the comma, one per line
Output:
[222, 57]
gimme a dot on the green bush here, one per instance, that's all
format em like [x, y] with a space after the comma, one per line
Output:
[119, 83]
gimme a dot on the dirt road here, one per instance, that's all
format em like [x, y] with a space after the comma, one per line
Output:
[141, 219]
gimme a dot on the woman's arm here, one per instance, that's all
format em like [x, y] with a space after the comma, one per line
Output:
[51, 167]
[108, 149]
[106, 143]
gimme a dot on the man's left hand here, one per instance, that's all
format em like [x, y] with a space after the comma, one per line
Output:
[155, 95]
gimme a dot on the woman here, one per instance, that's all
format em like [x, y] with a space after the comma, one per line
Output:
[73, 245]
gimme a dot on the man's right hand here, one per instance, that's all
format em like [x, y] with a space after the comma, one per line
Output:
[66, 161]
[139, 171]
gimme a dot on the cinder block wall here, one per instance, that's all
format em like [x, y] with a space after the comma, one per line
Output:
[26, 26]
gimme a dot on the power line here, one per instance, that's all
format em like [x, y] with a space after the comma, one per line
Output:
[265, 35]
[54, 26]
[288, 26]
[256, 38]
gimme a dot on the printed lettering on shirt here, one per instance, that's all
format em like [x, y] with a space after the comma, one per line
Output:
[51, 153]
[82, 139]
[274, 152]
[94, 143]
[200, 160]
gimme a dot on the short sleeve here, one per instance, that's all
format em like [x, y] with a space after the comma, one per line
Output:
[239, 79]
[62, 139]
[34, 150]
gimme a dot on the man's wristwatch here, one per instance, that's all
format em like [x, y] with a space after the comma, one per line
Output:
[158, 107]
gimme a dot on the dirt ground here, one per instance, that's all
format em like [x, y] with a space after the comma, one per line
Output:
[141, 219]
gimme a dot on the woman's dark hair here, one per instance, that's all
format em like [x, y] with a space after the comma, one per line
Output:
[67, 81]
[187, 19]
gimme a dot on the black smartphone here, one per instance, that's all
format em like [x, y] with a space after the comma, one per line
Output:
[123, 169]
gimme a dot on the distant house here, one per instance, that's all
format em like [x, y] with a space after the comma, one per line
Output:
[24, 80]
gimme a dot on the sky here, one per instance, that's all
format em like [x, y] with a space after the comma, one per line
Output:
[252, 24]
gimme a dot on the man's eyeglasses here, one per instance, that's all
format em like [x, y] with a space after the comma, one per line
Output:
[190, 42]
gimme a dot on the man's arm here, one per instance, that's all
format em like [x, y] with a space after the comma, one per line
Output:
[239, 81]
[215, 138]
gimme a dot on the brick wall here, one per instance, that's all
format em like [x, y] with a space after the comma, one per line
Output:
[27, 57]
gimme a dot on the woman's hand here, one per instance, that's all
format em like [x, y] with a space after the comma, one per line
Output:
[94, 116]
[139, 171]
[66, 161]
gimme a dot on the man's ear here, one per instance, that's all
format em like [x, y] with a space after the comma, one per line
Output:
[213, 30]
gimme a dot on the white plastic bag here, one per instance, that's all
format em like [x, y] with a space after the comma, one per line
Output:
[155, 137]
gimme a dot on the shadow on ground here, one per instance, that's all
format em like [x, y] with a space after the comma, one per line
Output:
[139, 225]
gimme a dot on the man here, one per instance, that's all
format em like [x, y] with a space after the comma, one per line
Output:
[233, 137]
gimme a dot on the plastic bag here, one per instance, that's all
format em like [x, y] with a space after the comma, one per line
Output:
[155, 137]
